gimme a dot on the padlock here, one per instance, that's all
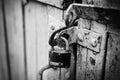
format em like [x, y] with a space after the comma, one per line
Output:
[60, 57]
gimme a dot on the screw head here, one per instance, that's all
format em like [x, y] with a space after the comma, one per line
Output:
[52, 27]
[94, 42]
[80, 37]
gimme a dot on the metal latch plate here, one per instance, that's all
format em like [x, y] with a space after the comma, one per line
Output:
[88, 39]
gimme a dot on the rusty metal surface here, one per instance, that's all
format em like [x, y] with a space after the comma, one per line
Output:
[85, 38]
[91, 12]
[89, 39]
[104, 3]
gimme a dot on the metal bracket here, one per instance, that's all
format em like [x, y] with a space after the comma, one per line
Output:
[89, 39]
[84, 37]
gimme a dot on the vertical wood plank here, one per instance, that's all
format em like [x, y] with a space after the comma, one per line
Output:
[90, 66]
[42, 39]
[81, 63]
[54, 19]
[3, 56]
[31, 44]
[14, 26]
[112, 71]
[37, 25]
[96, 60]
[82, 53]
[42, 35]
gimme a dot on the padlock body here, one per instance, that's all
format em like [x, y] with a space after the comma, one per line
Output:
[59, 58]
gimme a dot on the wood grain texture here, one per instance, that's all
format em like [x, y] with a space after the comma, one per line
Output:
[31, 38]
[42, 35]
[81, 63]
[38, 31]
[112, 71]
[98, 58]
[57, 3]
[14, 26]
[93, 66]
[3, 56]
[82, 53]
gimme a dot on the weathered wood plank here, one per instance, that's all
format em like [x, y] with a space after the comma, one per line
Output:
[112, 71]
[90, 67]
[55, 18]
[57, 3]
[31, 41]
[82, 53]
[14, 26]
[96, 60]
[3, 56]
[42, 35]
[38, 25]
[81, 63]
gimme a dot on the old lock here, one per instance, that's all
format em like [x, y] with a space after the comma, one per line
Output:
[60, 57]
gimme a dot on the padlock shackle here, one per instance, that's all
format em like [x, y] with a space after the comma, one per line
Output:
[52, 40]
[66, 43]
